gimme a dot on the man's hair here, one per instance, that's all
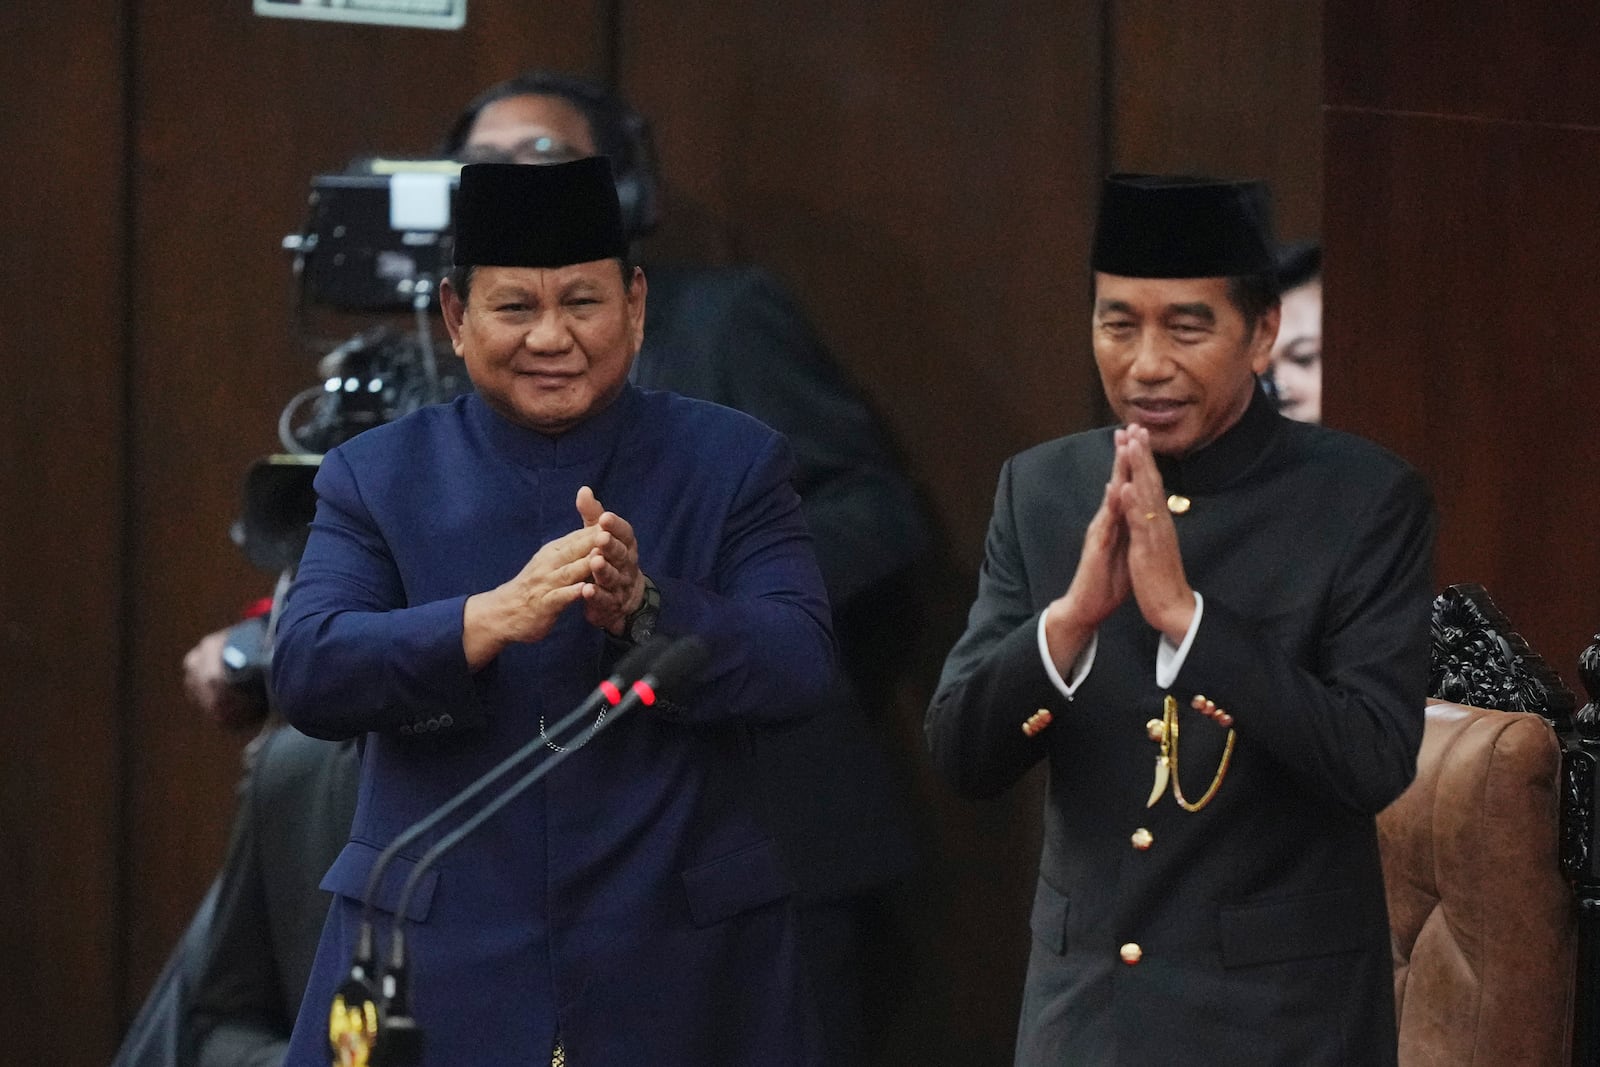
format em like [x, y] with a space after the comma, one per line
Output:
[1297, 264]
[1253, 295]
[460, 277]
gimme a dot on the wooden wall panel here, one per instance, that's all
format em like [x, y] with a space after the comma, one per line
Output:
[1462, 339]
[1525, 62]
[1463, 143]
[1225, 87]
[61, 495]
[922, 176]
[236, 114]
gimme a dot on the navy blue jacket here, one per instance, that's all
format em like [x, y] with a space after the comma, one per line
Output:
[633, 902]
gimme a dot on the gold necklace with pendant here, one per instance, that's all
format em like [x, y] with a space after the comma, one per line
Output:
[1167, 761]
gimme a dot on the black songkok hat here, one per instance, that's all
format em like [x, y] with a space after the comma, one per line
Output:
[538, 215]
[1164, 226]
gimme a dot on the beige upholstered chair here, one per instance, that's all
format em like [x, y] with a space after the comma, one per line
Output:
[1492, 857]
[1485, 934]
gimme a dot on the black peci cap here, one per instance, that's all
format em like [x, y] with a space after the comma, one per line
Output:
[549, 215]
[1166, 226]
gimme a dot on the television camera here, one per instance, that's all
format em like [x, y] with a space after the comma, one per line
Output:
[376, 244]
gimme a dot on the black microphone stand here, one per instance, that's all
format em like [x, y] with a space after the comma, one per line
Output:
[401, 1042]
[635, 663]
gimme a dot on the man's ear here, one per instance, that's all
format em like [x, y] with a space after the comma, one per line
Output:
[636, 294]
[1266, 334]
[454, 311]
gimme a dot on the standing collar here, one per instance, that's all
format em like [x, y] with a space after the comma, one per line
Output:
[1228, 458]
[588, 441]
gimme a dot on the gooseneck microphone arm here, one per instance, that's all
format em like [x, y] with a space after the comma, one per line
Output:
[632, 665]
[375, 1016]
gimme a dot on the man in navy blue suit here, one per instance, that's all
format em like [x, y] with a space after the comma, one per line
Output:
[473, 571]
[735, 336]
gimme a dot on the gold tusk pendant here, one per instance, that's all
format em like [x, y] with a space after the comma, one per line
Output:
[1160, 785]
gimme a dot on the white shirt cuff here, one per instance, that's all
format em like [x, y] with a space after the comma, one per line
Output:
[1169, 660]
[1080, 668]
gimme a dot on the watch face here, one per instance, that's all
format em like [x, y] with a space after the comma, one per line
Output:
[642, 623]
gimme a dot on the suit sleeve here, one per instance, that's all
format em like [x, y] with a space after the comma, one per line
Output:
[1351, 727]
[764, 617]
[994, 678]
[351, 656]
[865, 514]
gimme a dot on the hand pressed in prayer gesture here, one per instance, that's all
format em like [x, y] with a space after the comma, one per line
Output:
[591, 564]
[1155, 567]
[615, 588]
[1101, 582]
[1131, 545]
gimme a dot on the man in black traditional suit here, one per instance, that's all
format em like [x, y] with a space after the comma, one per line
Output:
[1214, 572]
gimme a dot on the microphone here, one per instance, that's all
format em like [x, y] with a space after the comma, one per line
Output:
[682, 660]
[631, 666]
[358, 1013]
[674, 669]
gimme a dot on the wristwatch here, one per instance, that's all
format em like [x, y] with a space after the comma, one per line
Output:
[640, 625]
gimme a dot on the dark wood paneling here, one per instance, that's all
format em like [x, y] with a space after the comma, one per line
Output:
[1460, 327]
[1536, 61]
[236, 114]
[922, 176]
[1462, 144]
[1225, 87]
[60, 528]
